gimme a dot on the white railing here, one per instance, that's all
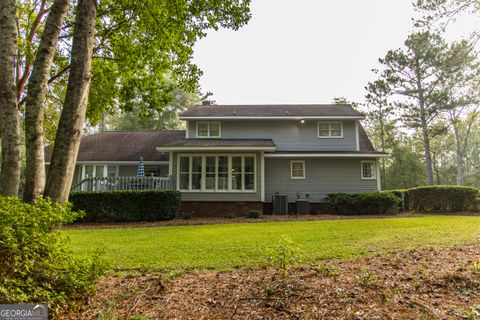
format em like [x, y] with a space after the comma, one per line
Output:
[123, 183]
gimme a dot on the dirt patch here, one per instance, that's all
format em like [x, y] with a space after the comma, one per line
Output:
[425, 283]
[204, 221]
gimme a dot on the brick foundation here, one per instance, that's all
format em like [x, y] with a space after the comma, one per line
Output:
[218, 209]
[238, 208]
[315, 208]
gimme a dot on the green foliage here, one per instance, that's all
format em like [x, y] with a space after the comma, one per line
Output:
[148, 205]
[405, 168]
[364, 203]
[145, 49]
[327, 269]
[36, 265]
[286, 255]
[366, 278]
[441, 199]
[475, 265]
[153, 119]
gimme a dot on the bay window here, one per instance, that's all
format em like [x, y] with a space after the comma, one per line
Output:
[221, 173]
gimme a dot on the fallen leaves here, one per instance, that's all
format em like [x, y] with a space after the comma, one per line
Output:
[427, 283]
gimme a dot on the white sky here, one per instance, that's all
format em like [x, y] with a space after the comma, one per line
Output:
[302, 51]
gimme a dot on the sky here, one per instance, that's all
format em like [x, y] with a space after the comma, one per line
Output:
[303, 51]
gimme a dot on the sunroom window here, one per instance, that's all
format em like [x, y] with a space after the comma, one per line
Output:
[208, 129]
[221, 173]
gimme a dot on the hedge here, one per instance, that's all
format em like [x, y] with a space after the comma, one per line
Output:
[147, 205]
[440, 199]
[364, 203]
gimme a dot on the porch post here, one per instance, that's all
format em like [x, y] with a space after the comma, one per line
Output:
[377, 167]
[262, 175]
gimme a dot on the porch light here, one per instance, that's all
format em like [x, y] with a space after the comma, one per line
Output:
[302, 121]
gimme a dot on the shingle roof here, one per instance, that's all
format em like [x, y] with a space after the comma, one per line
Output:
[131, 145]
[365, 145]
[210, 143]
[281, 110]
[124, 146]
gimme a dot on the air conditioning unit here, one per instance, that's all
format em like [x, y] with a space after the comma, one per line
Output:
[280, 204]
[303, 206]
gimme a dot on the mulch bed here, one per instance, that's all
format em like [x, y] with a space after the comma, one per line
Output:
[220, 220]
[425, 283]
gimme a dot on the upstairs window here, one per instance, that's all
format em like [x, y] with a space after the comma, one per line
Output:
[208, 129]
[330, 129]
[368, 170]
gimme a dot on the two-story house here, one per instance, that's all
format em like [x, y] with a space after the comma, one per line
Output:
[233, 158]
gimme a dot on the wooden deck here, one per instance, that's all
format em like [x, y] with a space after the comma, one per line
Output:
[123, 184]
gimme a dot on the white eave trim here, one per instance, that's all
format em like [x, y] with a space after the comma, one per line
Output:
[325, 155]
[160, 149]
[118, 162]
[273, 117]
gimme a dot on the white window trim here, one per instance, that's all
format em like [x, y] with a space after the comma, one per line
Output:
[374, 171]
[229, 156]
[105, 169]
[291, 169]
[330, 129]
[209, 123]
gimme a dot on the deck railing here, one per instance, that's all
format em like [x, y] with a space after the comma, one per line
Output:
[123, 183]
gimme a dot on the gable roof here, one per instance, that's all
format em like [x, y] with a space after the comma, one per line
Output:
[123, 146]
[279, 111]
[218, 144]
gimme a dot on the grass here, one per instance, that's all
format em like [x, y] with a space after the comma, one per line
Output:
[226, 246]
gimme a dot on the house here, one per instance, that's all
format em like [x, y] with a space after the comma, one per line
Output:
[234, 158]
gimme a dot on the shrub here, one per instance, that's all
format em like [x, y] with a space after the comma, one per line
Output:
[36, 266]
[254, 214]
[286, 255]
[364, 203]
[145, 205]
[403, 195]
[441, 199]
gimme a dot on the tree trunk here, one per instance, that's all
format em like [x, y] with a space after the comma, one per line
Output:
[382, 137]
[423, 122]
[10, 167]
[34, 110]
[69, 133]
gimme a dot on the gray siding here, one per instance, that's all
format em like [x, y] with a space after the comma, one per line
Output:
[219, 196]
[287, 135]
[322, 176]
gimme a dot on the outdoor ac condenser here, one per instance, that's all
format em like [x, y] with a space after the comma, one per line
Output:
[280, 204]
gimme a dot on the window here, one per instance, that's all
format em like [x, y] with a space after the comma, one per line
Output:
[217, 173]
[208, 130]
[330, 129]
[151, 171]
[98, 171]
[368, 170]
[297, 169]
[112, 171]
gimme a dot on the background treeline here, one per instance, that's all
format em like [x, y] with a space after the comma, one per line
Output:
[70, 66]
[423, 107]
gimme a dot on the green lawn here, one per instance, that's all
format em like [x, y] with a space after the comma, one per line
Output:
[237, 245]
